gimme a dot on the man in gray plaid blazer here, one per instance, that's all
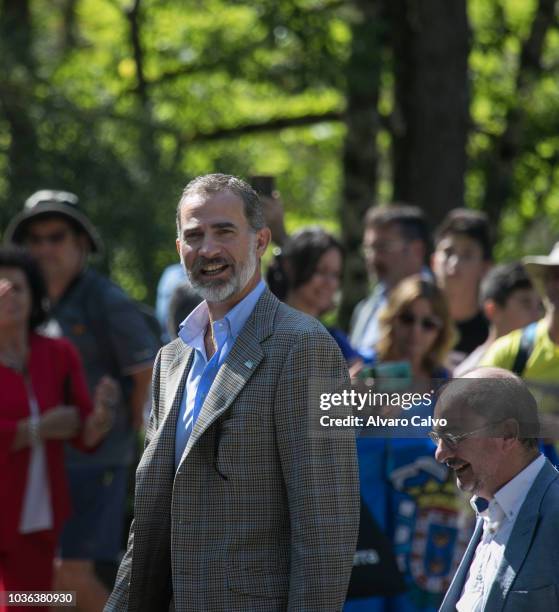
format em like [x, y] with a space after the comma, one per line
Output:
[238, 506]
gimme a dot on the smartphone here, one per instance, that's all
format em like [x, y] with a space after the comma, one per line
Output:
[390, 375]
[263, 185]
[388, 369]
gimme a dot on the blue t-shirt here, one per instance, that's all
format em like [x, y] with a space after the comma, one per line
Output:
[113, 339]
[349, 353]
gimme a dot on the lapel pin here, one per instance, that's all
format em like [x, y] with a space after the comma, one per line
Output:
[249, 364]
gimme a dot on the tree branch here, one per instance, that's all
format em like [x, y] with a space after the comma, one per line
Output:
[133, 15]
[219, 62]
[69, 25]
[507, 146]
[194, 136]
[270, 125]
[190, 69]
[59, 105]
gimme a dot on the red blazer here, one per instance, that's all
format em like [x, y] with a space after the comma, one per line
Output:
[58, 378]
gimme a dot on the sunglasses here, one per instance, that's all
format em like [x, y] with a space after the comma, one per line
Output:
[53, 238]
[428, 324]
[453, 440]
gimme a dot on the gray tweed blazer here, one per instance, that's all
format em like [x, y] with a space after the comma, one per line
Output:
[260, 515]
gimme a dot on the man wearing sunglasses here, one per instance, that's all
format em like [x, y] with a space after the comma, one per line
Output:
[114, 340]
[490, 440]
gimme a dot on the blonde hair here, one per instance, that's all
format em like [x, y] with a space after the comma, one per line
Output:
[401, 297]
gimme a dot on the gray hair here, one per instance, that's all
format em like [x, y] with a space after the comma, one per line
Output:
[496, 395]
[216, 183]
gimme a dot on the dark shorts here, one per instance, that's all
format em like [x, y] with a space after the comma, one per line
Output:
[95, 528]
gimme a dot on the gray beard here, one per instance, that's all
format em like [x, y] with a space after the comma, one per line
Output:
[220, 291]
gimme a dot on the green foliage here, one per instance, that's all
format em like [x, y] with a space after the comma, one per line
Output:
[126, 131]
[529, 223]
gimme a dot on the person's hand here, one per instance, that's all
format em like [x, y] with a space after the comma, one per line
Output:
[100, 421]
[355, 369]
[107, 393]
[60, 423]
[6, 297]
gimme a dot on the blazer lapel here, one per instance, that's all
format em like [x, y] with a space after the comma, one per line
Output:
[455, 589]
[158, 460]
[520, 539]
[175, 377]
[240, 365]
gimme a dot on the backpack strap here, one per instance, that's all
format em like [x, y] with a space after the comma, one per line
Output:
[527, 341]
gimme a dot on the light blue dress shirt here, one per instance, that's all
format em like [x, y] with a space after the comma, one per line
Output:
[203, 371]
[370, 335]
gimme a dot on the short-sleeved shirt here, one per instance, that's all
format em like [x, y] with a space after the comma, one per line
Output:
[113, 339]
[541, 372]
[543, 362]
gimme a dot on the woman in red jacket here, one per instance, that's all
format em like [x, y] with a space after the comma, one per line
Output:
[43, 402]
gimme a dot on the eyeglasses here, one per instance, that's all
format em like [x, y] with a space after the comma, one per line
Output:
[390, 246]
[53, 238]
[453, 440]
[428, 324]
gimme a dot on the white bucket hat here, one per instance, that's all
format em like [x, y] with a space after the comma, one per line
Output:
[536, 266]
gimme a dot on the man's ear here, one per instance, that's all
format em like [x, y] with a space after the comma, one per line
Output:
[263, 238]
[511, 433]
[489, 308]
[178, 245]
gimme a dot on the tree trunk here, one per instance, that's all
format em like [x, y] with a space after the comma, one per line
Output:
[16, 77]
[431, 118]
[360, 149]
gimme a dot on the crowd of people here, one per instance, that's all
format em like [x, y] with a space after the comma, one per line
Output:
[106, 353]
[230, 485]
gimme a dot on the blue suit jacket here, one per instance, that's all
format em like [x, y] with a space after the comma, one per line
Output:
[528, 578]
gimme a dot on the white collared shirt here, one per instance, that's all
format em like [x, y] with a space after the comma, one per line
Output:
[498, 522]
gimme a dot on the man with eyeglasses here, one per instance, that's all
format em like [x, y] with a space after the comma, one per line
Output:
[114, 340]
[490, 440]
[396, 244]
